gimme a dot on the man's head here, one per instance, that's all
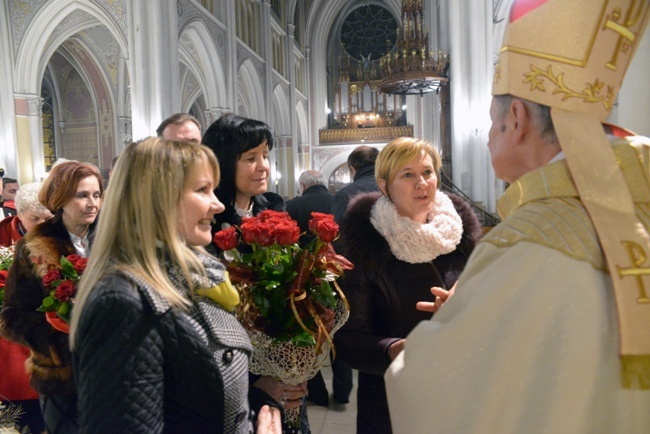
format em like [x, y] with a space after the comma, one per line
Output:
[30, 211]
[521, 138]
[360, 157]
[577, 67]
[113, 163]
[181, 127]
[9, 188]
[309, 178]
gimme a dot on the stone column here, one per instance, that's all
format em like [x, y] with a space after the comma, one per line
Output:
[8, 123]
[153, 61]
[29, 127]
[267, 55]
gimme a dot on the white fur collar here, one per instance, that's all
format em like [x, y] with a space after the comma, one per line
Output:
[415, 242]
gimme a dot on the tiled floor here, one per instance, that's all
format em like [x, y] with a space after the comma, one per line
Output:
[325, 420]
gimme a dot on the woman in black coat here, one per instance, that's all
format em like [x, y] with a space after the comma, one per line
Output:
[403, 241]
[155, 344]
[72, 192]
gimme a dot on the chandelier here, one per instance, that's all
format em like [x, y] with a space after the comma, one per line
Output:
[413, 69]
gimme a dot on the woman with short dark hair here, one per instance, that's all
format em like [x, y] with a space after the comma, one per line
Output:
[242, 147]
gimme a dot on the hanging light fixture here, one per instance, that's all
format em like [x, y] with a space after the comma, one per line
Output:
[413, 69]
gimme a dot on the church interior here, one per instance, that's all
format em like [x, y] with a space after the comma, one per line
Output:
[80, 79]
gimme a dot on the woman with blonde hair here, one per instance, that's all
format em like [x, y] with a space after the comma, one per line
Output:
[156, 347]
[403, 241]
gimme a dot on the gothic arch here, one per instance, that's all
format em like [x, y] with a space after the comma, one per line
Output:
[302, 130]
[207, 67]
[36, 47]
[322, 17]
[250, 92]
[281, 111]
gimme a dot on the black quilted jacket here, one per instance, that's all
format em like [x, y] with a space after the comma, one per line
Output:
[141, 366]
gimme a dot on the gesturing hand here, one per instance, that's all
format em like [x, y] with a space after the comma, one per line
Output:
[442, 295]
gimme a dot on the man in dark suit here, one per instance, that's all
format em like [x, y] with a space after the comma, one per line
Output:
[314, 196]
[361, 162]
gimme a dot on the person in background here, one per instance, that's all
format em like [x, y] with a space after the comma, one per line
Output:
[14, 382]
[30, 213]
[72, 192]
[2, 213]
[242, 147]
[182, 127]
[534, 338]
[10, 188]
[361, 163]
[314, 197]
[402, 241]
[152, 289]
[113, 164]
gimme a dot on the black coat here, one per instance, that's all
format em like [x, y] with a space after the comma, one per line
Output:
[382, 291]
[315, 198]
[364, 182]
[142, 366]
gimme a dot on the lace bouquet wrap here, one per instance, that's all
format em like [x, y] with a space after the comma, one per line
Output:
[290, 305]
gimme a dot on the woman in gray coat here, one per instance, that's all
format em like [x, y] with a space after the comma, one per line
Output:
[155, 345]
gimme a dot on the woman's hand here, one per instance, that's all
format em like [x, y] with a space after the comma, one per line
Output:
[442, 296]
[396, 348]
[289, 396]
[269, 421]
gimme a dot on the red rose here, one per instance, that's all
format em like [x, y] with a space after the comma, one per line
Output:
[3, 278]
[265, 233]
[323, 226]
[226, 239]
[287, 233]
[72, 258]
[52, 275]
[248, 230]
[65, 291]
[80, 265]
[275, 216]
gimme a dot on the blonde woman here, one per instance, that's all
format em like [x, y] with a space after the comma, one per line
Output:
[403, 241]
[156, 347]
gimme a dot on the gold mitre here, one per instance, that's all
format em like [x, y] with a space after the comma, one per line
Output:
[569, 54]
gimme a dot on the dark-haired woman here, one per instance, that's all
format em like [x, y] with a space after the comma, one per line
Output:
[242, 146]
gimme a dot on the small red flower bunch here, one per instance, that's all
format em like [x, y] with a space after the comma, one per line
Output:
[287, 292]
[62, 281]
[6, 258]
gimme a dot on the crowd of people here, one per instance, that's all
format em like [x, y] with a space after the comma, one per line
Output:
[525, 329]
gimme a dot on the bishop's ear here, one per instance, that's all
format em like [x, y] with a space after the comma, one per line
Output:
[520, 117]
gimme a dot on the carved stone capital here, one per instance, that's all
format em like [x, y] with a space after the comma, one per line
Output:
[35, 106]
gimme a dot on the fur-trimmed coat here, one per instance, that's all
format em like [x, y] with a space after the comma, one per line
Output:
[382, 291]
[50, 362]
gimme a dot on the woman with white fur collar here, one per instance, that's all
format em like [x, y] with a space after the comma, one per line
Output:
[404, 241]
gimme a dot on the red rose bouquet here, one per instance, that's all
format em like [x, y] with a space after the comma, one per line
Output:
[290, 304]
[6, 258]
[62, 282]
